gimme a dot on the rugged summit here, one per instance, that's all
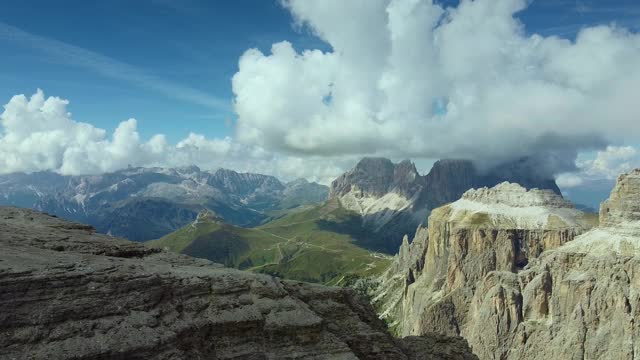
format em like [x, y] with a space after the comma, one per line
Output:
[382, 192]
[577, 300]
[376, 177]
[67, 292]
[147, 203]
[431, 283]
[394, 198]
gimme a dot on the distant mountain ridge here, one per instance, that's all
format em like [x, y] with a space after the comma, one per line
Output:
[147, 203]
[393, 199]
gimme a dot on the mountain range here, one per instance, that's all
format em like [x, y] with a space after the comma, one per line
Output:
[349, 236]
[146, 203]
[517, 271]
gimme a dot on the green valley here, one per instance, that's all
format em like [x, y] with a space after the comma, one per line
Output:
[323, 243]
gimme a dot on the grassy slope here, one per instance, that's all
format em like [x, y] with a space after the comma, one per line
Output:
[297, 246]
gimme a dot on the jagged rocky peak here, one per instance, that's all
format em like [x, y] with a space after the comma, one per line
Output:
[446, 168]
[619, 230]
[384, 194]
[514, 195]
[623, 206]
[405, 172]
[376, 177]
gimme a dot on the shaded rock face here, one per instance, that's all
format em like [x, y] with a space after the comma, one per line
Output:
[394, 198]
[66, 292]
[432, 281]
[378, 176]
[580, 300]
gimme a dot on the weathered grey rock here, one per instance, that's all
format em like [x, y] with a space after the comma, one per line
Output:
[66, 292]
[578, 299]
[430, 284]
[623, 206]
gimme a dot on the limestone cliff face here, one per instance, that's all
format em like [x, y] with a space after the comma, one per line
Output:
[66, 292]
[623, 206]
[432, 281]
[580, 300]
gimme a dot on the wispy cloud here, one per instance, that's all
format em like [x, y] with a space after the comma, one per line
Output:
[109, 67]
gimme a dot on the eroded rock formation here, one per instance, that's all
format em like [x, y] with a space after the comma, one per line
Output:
[433, 281]
[66, 292]
[579, 301]
[577, 297]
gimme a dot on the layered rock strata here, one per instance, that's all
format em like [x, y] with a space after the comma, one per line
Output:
[66, 292]
[578, 299]
[431, 284]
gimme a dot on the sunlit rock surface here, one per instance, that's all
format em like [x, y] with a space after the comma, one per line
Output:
[504, 267]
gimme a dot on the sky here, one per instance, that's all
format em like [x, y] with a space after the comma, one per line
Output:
[305, 88]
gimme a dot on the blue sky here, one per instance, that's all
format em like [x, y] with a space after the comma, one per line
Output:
[189, 46]
[194, 44]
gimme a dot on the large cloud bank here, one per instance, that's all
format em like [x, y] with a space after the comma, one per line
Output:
[38, 134]
[410, 78]
[403, 78]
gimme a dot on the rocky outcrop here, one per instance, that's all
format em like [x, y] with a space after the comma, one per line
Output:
[622, 209]
[579, 300]
[394, 198]
[432, 281]
[67, 292]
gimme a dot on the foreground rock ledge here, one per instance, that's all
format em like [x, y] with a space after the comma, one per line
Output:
[66, 292]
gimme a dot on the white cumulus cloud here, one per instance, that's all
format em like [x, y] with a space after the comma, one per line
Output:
[402, 78]
[611, 162]
[38, 134]
[604, 164]
[409, 78]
